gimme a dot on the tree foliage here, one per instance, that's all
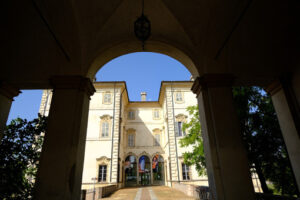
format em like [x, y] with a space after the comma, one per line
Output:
[194, 138]
[19, 155]
[262, 138]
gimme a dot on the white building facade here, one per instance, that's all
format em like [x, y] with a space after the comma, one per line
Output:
[135, 143]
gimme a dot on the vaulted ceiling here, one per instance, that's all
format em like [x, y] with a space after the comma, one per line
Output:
[248, 38]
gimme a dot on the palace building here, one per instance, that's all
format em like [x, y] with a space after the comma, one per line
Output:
[133, 143]
[136, 143]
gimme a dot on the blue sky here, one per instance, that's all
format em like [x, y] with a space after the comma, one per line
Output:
[142, 72]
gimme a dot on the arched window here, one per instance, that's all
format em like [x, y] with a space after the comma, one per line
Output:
[158, 169]
[130, 167]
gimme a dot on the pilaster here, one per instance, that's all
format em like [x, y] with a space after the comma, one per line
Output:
[287, 110]
[226, 158]
[7, 93]
[61, 162]
[172, 140]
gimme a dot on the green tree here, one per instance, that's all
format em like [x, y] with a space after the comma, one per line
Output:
[196, 156]
[263, 140]
[19, 155]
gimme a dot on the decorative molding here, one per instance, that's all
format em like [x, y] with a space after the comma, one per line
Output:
[73, 82]
[144, 153]
[157, 153]
[157, 130]
[212, 80]
[181, 118]
[131, 154]
[105, 117]
[131, 130]
[8, 91]
[103, 160]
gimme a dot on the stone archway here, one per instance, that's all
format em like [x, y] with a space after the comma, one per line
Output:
[182, 55]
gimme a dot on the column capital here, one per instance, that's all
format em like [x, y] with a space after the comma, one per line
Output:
[212, 80]
[8, 91]
[274, 87]
[73, 82]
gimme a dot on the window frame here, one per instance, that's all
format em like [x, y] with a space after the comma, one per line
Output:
[185, 172]
[129, 116]
[181, 95]
[154, 114]
[104, 97]
[157, 143]
[102, 172]
[178, 129]
[105, 128]
[103, 120]
[133, 140]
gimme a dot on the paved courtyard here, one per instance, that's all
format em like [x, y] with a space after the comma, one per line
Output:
[149, 193]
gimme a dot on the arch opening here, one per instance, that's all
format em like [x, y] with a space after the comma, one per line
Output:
[180, 54]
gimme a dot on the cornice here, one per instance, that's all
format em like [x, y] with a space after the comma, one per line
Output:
[211, 81]
[8, 91]
[73, 82]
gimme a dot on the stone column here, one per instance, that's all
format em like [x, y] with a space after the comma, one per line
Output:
[226, 159]
[287, 110]
[61, 163]
[7, 93]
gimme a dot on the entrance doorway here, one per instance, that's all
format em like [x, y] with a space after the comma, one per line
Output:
[158, 170]
[144, 171]
[130, 171]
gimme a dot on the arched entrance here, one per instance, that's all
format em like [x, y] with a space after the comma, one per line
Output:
[130, 168]
[158, 170]
[144, 170]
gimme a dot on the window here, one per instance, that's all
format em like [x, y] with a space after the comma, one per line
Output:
[105, 126]
[105, 129]
[102, 173]
[185, 172]
[107, 98]
[178, 97]
[131, 115]
[178, 129]
[156, 114]
[157, 140]
[131, 140]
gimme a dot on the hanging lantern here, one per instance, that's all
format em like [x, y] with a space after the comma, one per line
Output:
[142, 27]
